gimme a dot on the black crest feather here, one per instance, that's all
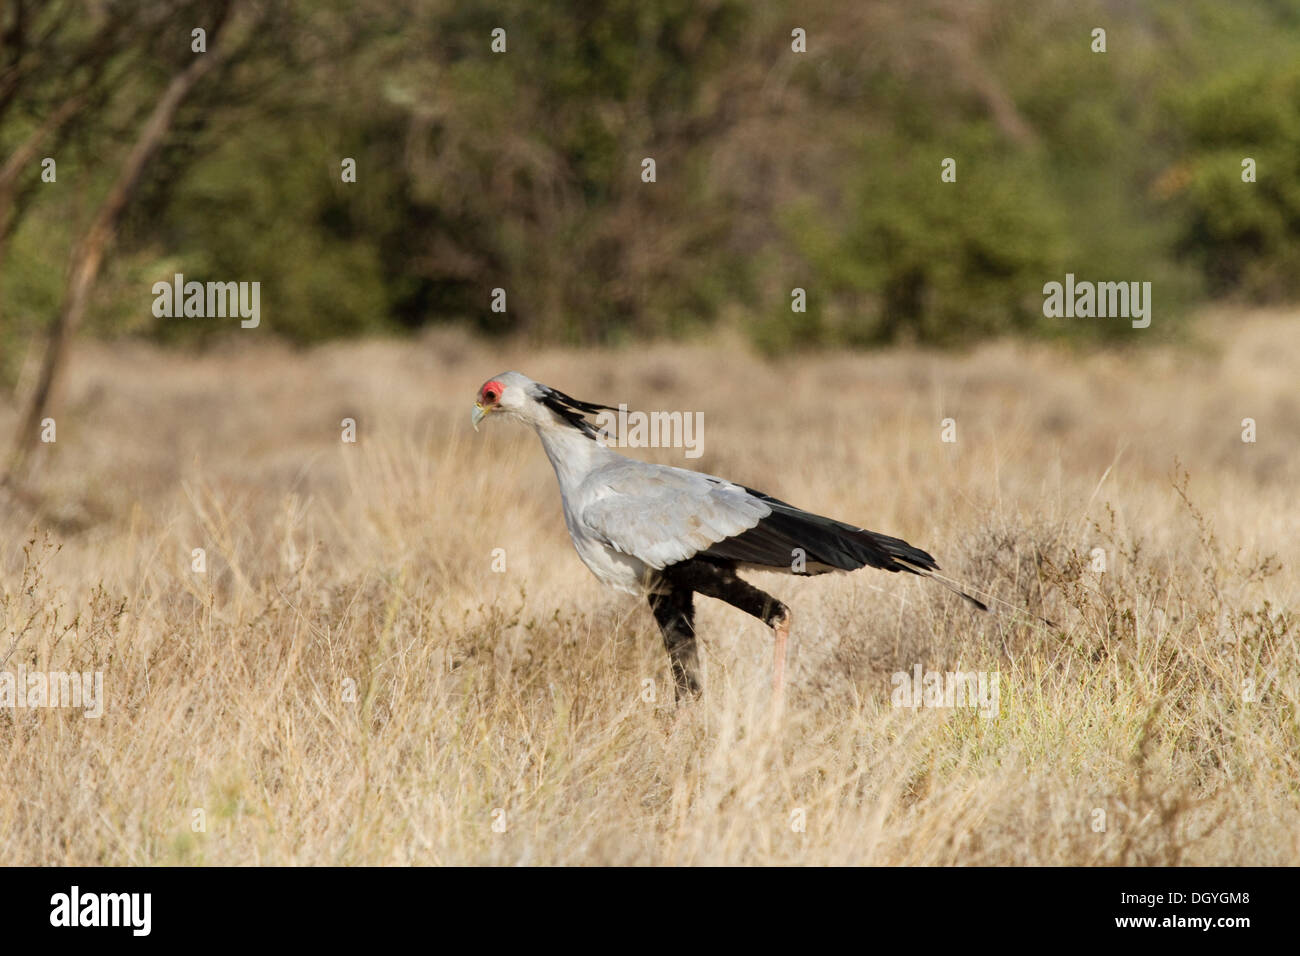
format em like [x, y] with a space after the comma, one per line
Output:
[572, 410]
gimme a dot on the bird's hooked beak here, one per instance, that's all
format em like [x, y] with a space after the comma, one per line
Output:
[477, 414]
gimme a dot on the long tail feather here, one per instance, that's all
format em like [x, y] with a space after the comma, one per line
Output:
[960, 588]
[834, 545]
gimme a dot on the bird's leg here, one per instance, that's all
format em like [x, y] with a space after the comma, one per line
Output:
[720, 582]
[781, 630]
[675, 612]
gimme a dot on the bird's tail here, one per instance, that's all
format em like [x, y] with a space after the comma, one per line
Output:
[956, 587]
[829, 544]
[964, 590]
[894, 554]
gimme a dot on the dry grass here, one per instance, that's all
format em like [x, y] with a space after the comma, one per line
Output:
[524, 691]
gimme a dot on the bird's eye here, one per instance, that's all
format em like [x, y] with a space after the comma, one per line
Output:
[489, 396]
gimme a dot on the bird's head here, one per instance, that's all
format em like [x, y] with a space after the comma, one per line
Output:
[533, 403]
[508, 393]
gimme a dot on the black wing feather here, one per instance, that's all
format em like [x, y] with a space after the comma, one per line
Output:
[824, 541]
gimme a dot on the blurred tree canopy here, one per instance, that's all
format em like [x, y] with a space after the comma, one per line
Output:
[522, 170]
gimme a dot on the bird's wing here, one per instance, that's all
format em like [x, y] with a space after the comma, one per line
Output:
[825, 544]
[661, 515]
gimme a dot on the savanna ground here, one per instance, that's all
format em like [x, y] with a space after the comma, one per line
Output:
[1155, 724]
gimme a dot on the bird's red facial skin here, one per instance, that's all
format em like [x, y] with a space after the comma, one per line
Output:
[490, 393]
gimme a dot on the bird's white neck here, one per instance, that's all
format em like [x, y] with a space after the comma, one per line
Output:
[573, 455]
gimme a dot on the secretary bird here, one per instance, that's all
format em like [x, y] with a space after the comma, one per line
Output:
[670, 534]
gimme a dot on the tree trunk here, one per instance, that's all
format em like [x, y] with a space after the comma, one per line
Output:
[89, 252]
